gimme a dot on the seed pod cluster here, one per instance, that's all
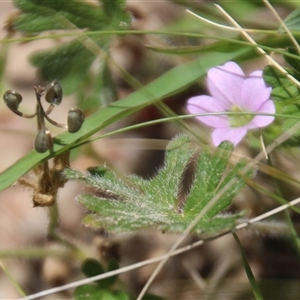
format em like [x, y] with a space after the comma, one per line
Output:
[53, 95]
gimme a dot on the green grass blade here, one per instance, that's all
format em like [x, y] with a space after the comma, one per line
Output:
[170, 83]
[251, 278]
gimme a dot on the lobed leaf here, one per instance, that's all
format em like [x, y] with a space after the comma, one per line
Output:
[209, 171]
[39, 16]
[135, 203]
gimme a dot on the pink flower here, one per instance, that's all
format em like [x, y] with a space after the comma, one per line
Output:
[232, 91]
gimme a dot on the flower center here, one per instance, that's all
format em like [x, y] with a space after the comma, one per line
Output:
[239, 120]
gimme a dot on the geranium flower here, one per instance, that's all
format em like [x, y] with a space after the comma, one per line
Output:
[232, 91]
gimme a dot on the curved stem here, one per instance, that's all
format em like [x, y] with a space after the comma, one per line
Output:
[49, 109]
[53, 122]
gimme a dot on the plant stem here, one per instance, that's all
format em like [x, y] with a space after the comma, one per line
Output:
[53, 220]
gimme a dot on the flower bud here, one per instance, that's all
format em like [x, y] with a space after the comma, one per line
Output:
[75, 119]
[42, 141]
[12, 100]
[54, 93]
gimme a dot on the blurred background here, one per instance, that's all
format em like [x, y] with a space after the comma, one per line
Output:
[214, 270]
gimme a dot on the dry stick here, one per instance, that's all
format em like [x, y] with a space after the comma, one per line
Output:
[282, 24]
[263, 52]
[230, 184]
[249, 38]
[194, 273]
[219, 25]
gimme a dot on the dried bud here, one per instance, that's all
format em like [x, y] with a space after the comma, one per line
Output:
[75, 119]
[43, 141]
[12, 99]
[54, 93]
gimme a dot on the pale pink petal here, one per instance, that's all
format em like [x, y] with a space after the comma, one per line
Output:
[225, 83]
[233, 135]
[254, 92]
[262, 121]
[267, 107]
[230, 89]
[207, 104]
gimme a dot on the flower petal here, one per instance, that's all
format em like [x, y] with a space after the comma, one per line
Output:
[254, 92]
[225, 83]
[233, 135]
[207, 104]
[262, 121]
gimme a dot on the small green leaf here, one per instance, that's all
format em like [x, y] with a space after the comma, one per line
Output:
[88, 292]
[92, 292]
[112, 265]
[283, 88]
[292, 21]
[295, 63]
[91, 267]
[286, 94]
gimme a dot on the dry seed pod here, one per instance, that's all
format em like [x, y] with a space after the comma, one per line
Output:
[75, 119]
[54, 93]
[43, 141]
[12, 100]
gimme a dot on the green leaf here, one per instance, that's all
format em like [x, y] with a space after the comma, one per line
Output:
[70, 61]
[254, 284]
[168, 84]
[134, 203]
[138, 203]
[95, 91]
[209, 171]
[285, 94]
[38, 16]
[283, 88]
[166, 185]
[295, 63]
[112, 265]
[292, 21]
[91, 267]
[222, 46]
[92, 292]
[88, 292]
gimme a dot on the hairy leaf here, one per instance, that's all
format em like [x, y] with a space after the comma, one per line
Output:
[135, 203]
